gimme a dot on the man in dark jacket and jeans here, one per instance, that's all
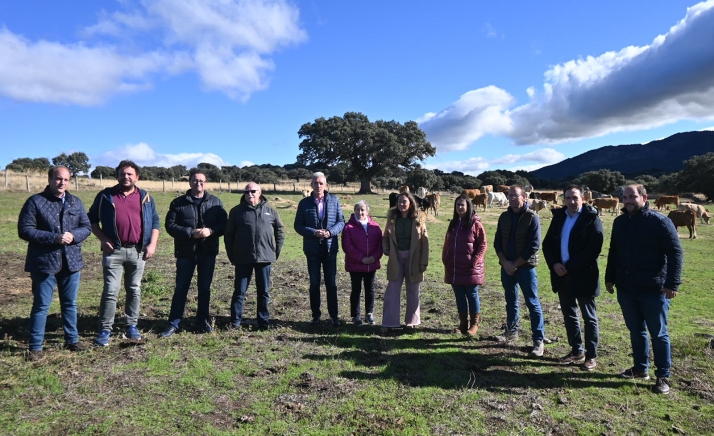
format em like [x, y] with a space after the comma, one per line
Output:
[254, 237]
[54, 224]
[645, 265]
[196, 221]
[571, 248]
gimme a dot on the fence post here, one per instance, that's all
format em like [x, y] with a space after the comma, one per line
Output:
[172, 183]
[163, 182]
[274, 188]
[101, 178]
[27, 182]
[76, 183]
[229, 186]
[220, 185]
[6, 181]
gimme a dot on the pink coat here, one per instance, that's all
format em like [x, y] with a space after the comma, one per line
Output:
[358, 244]
[463, 253]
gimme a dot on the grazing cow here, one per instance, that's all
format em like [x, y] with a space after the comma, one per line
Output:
[587, 195]
[681, 218]
[551, 197]
[528, 189]
[305, 193]
[435, 200]
[422, 203]
[606, 203]
[480, 200]
[393, 199]
[600, 195]
[471, 193]
[667, 199]
[538, 205]
[534, 195]
[698, 210]
[403, 188]
[421, 192]
[503, 188]
[499, 197]
[487, 188]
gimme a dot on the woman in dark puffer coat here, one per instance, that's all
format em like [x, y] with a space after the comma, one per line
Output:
[462, 255]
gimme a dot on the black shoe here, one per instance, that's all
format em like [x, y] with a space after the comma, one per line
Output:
[336, 322]
[634, 374]
[662, 386]
[315, 322]
[204, 327]
[170, 330]
[34, 355]
[76, 347]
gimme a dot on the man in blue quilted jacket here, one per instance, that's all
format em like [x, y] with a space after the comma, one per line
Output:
[320, 221]
[54, 223]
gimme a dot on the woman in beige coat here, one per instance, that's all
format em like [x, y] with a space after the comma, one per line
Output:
[406, 243]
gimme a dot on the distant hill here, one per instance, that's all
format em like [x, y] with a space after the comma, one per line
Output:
[664, 155]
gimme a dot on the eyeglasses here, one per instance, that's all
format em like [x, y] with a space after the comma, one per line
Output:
[199, 181]
[250, 191]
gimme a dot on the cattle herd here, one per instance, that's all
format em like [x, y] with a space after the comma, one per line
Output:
[683, 215]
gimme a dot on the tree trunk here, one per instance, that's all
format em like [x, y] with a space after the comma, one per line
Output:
[365, 182]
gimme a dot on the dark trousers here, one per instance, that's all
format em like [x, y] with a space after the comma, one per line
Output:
[569, 304]
[185, 266]
[327, 262]
[357, 278]
[262, 284]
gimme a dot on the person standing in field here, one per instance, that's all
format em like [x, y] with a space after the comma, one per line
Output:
[362, 244]
[125, 221]
[196, 221]
[645, 265]
[319, 221]
[406, 243]
[517, 242]
[463, 258]
[571, 248]
[254, 237]
[54, 224]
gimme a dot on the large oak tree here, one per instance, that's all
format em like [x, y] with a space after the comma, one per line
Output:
[367, 149]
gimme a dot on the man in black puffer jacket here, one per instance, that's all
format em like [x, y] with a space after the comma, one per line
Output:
[645, 265]
[196, 221]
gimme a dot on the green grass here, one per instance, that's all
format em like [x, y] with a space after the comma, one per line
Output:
[297, 379]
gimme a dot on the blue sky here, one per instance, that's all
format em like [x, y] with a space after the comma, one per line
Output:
[512, 85]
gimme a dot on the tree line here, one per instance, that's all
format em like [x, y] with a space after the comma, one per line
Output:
[387, 154]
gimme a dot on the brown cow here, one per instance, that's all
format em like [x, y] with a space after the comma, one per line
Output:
[606, 203]
[305, 193]
[403, 188]
[698, 210]
[434, 203]
[487, 188]
[538, 205]
[681, 218]
[551, 197]
[480, 200]
[667, 199]
[471, 193]
[504, 189]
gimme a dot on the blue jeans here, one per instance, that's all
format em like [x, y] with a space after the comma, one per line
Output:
[328, 263]
[527, 280]
[43, 286]
[185, 267]
[467, 298]
[569, 306]
[647, 311]
[262, 284]
[128, 262]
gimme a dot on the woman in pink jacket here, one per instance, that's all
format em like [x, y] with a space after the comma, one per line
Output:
[462, 255]
[362, 244]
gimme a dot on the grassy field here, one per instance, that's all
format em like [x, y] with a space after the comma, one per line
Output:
[298, 379]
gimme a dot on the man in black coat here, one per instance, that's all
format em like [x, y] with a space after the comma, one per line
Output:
[196, 221]
[571, 249]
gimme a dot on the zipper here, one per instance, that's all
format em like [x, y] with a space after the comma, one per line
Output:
[456, 236]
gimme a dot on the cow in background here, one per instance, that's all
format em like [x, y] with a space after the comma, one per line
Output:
[538, 205]
[305, 193]
[551, 197]
[471, 193]
[698, 210]
[422, 203]
[421, 192]
[435, 200]
[688, 218]
[606, 203]
[667, 199]
[403, 188]
[487, 188]
[499, 197]
[480, 200]
[503, 188]
[393, 199]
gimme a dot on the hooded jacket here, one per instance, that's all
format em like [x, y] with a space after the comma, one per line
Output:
[418, 249]
[358, 244]
[584, 246]
[645, 253]
[253, 234]
[463, 253]
[184, 217]
[42, 220]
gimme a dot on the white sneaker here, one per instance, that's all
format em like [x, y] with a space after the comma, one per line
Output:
[538, 349]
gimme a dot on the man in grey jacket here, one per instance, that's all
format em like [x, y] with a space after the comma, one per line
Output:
[54, 223]
[253, 239]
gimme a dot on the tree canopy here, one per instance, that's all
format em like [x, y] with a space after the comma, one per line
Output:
[698, 175]
[76, 163]
[602, 180]
[367, 149]
[24, 164]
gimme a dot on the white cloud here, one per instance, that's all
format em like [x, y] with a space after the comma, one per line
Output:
[489, 30]
[477, 165]
[144, 155]
[228, 43]
[636, 88]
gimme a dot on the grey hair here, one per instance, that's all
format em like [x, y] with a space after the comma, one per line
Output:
[317, 175]
[259, 188]
[361, 203]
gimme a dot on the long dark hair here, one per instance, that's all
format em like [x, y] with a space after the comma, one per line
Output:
[470, 212]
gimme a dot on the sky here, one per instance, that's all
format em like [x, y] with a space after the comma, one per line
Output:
[495, 85]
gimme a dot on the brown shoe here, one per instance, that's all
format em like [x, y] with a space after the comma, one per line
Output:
[589, 364]
[572, 358]
[34, 355]
[475, 320]
[463, 323]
